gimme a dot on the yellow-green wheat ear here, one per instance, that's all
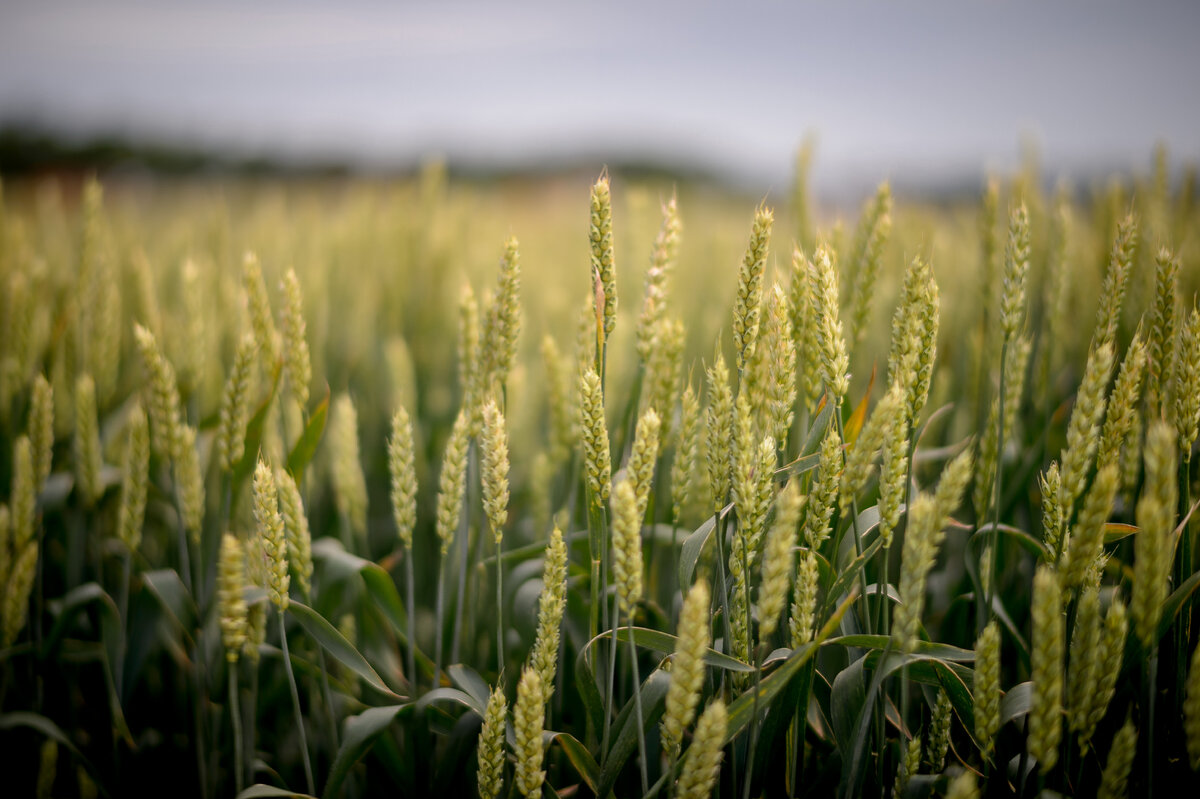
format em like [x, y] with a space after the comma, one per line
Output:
[1112, 292]
[452, 481]
[643, 456]
[134, 480]
[909, 767]
[297, 365]
[627, 546]
[987, 687]
[295, 523]
[594, 434]
[41, 428]
[551, 605]
[1187, 384]
[349, 483]
[503, 323]
[231, 586]
[683, 464]
[23, 495]
[402, 469]
[261, 319]
[869, 239]
[662, 260]
[1155, 515]
[1049, 629]
[939, 732]
[1016, 268]
[778, 559]
[470, 366]
[718, 423]
[804, 606]
[702, 762]
[1191, 710]
[1161, 344]
[600, 236]
[494, 449]
[274, 537]
[835, 361]
[190, 477]
[824, 491]
[1122, 408]
[164, 404]
[528, 718]
[15, 602]
[235, 405]
[1053, 517]
[490, 754]
[88, 463]
[748, 301]
[687, 668]
[1114, 781]
[1084, 425]
[963, 786]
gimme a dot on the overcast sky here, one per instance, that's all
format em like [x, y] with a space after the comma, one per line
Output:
[889, 88]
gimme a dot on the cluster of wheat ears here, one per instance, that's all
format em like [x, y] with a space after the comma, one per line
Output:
[902, 521]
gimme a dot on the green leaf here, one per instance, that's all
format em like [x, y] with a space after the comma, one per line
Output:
[1016, 702]
[328, 637]
[579, 757]
[665, 643]
[473, 685]
[1114, 532]
[260, 791]
[306, 446]
[689, 553]
[654, 696]
[924, 648]
[359, 735]
[168, 589]
[585, 683]
[52, 731]
[1175, 601]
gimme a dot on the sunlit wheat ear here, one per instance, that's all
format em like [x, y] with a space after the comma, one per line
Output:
[274, 537]
[494, 449]
[594, 432]
[1152, 549]
[1087, 655]
[261, 319]
[627, 546]
[748, 300]
[490, 754]
[190, 477]
[963, 786]
[15, 605]
[452, 481]
[939, 732]
[1049, 630]
[770, 377]
[600, 236]
[824, 491]
[88, 462]
[1107, 670]
[231, 586]
[718, 423]
[683, 465]
[134, 480]
[1016, 269]
[295, 523]
[1114, 780]
[1191, 710]
[164, 395]
[41, 428]
[1187, 383]
[403, 473]
[835, 362]
[1112, 292]
[1087, 537]
[349, 483]
[469, 354]
[1084, 426]
[803, 318]
[1122, 404]
[803, 610]
[921, 544]
[777, 560]
[893, 474]
[642, 458]
[528, 717]
[662, 262]
[910, 766]
[551, 605]
[860, 459]
[665, 367]
[503, 323]
[559, 400]
[702, 762]
[1053, 514]
[1161, 345]
[297, 365]
[914, 337]
[235, 405]
[687, 668]
[989, 452]
[869, 239]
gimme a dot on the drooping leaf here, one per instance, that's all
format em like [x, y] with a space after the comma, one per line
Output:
[306, 446]
[335, 644]
[359, 735]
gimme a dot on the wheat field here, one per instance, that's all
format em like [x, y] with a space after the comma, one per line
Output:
[598, 487]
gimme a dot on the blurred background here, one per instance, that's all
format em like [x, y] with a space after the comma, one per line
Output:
[933, 95]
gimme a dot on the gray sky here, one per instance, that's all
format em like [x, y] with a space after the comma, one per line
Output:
[916, 88]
